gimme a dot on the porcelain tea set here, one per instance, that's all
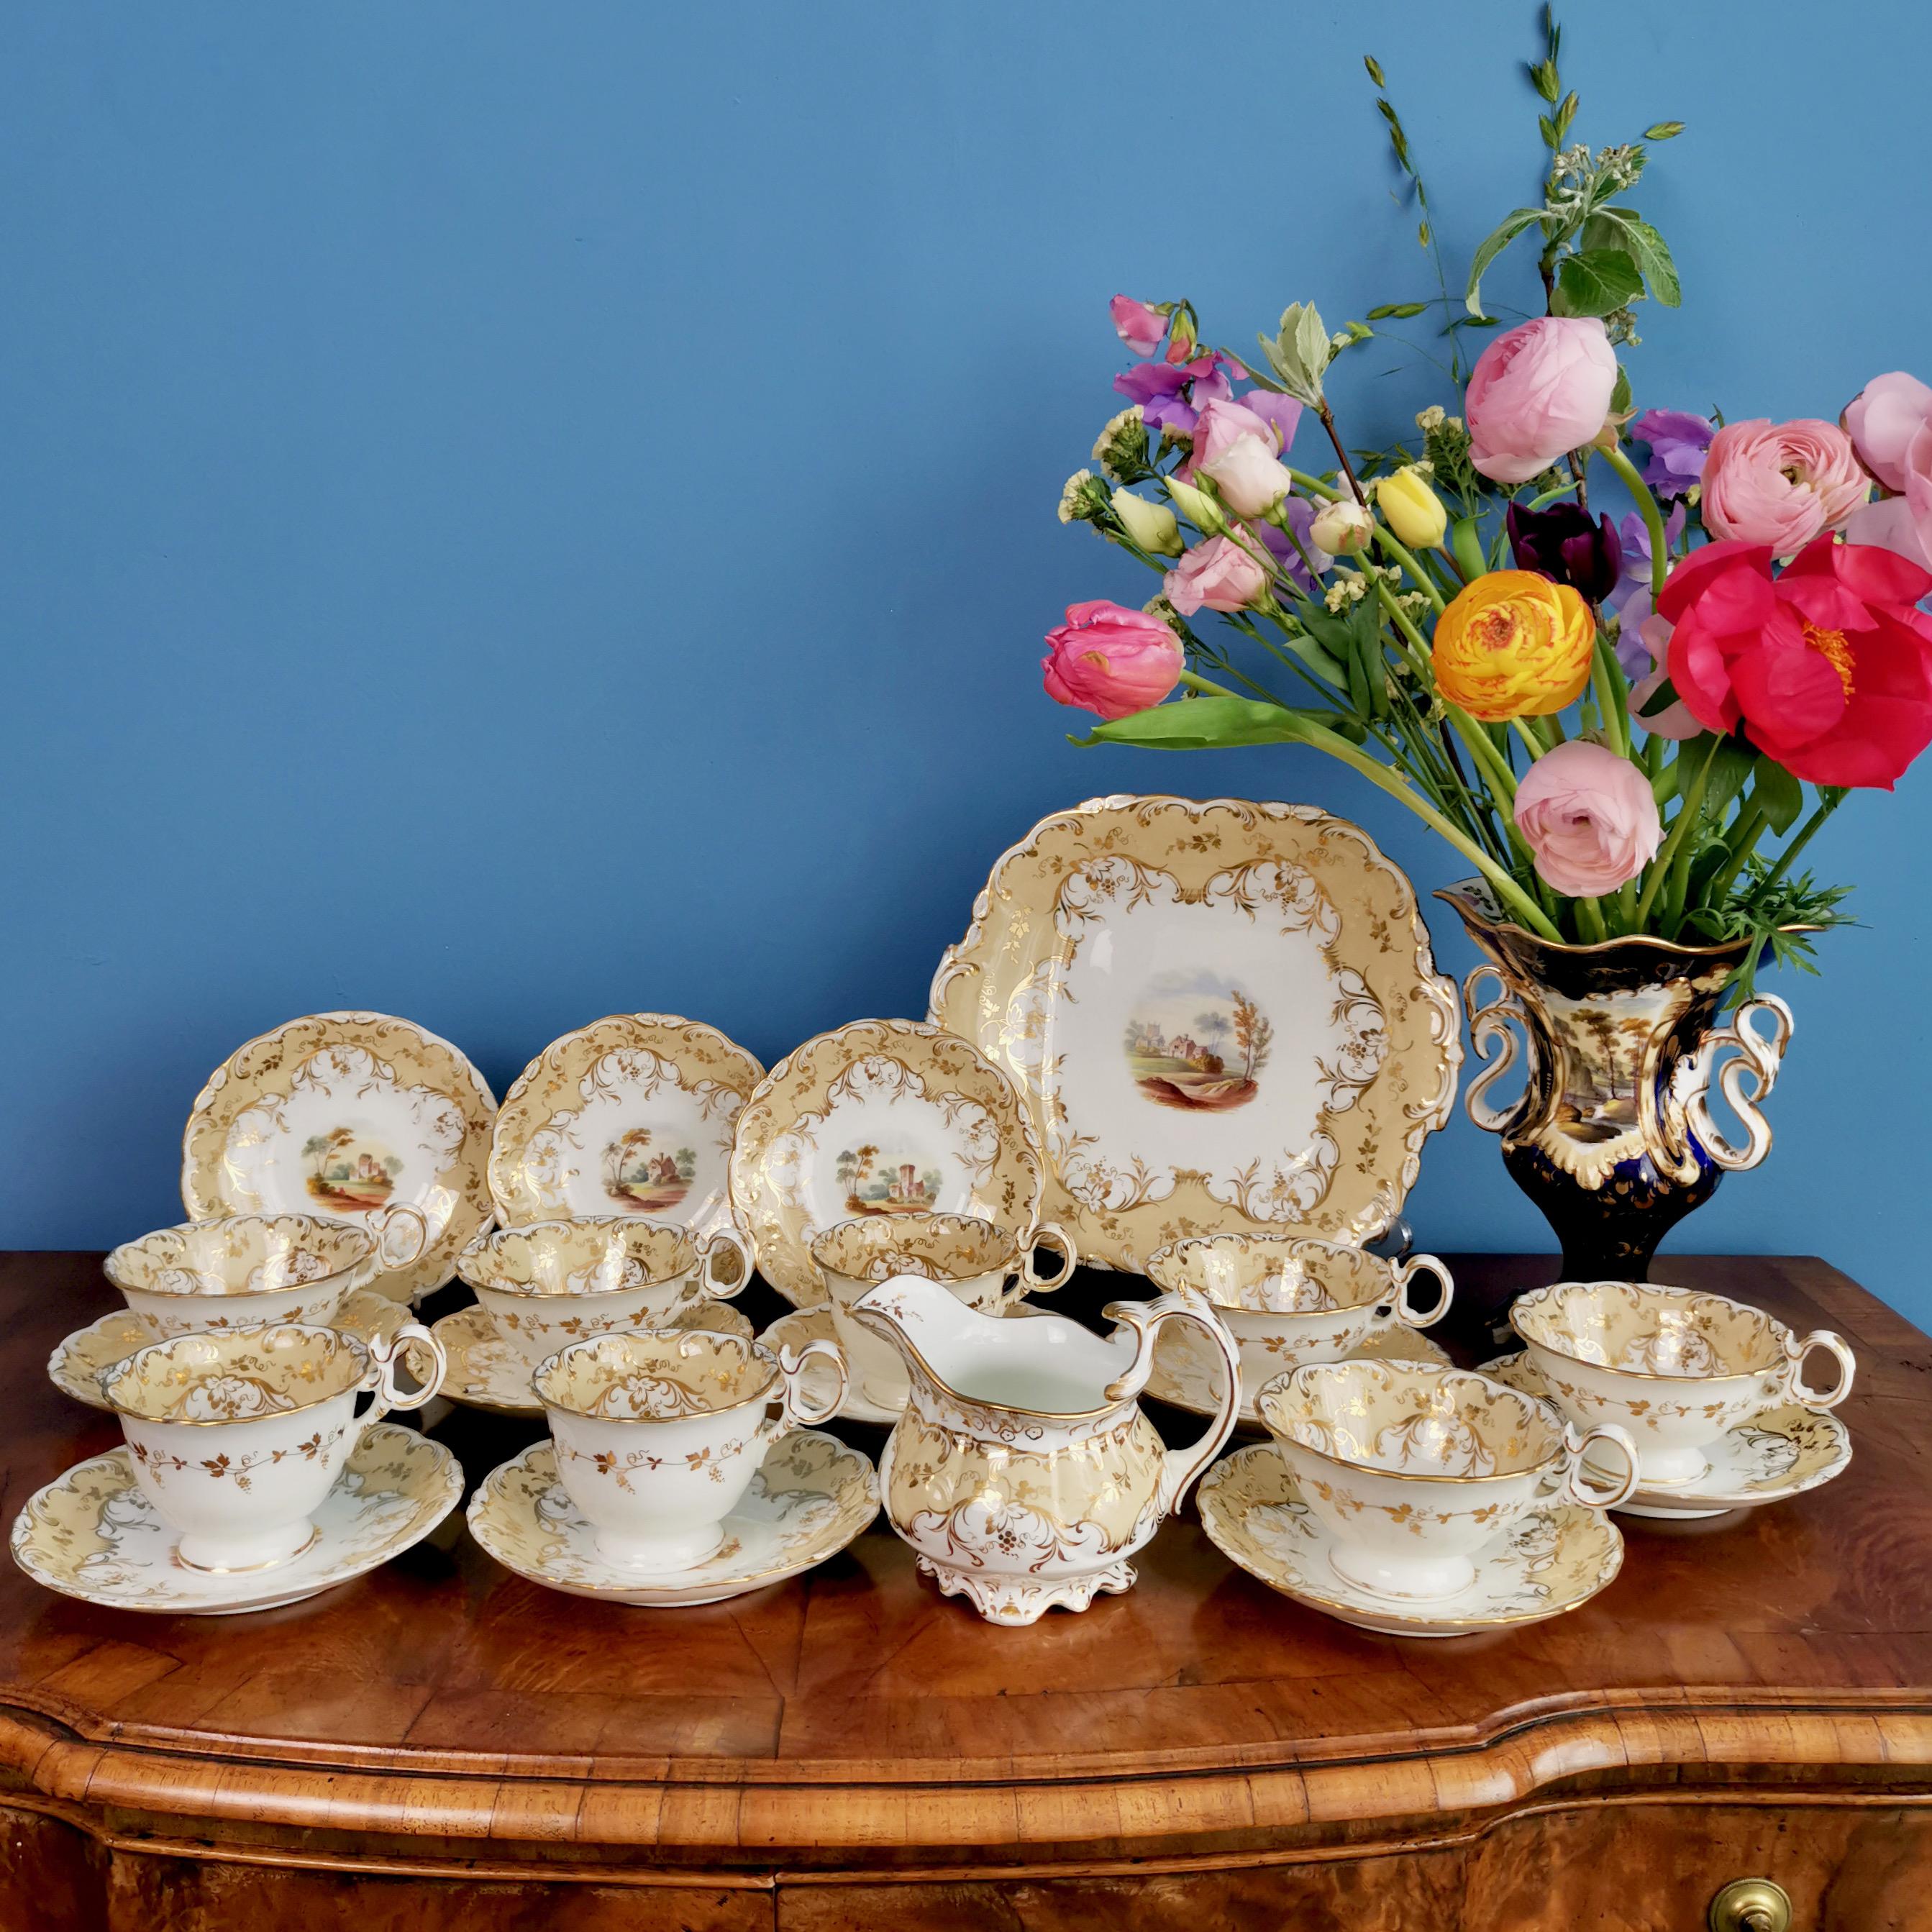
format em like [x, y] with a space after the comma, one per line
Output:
[1200, 1042]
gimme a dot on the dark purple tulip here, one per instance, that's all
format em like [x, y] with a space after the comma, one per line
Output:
[1561, 542]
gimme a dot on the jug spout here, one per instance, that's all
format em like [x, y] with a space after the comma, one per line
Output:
[932, 1329]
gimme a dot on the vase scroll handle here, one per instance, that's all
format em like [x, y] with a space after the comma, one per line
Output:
[1488, 1031]
[1179, 1467]
[1744, 1081]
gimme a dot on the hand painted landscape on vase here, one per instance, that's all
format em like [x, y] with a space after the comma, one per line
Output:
[1195, 1041]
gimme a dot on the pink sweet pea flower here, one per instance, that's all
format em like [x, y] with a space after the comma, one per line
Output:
[1589, 818]
[1538, 391]
[1219, 574]
[1781, 483]
[1140, 327]
[1109, 659]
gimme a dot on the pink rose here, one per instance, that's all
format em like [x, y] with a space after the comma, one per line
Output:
[1140, 327]
[1109, 659]
[1219, 574]
[1781, 483]
[1589, 816]
[1891, 423]
[1538, 391]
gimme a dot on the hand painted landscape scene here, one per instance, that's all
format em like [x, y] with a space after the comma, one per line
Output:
[644, 1170]
[877, 1182]
[1196, 1041]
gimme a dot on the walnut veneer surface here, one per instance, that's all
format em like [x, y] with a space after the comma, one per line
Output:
[442, 1743]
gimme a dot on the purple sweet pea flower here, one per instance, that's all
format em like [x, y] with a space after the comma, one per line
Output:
[1171, 394]
[1635, 575]
[1300, 514]
[1679, 443]
[1282, 413]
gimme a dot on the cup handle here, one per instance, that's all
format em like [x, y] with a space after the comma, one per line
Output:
[1794, 1353]
[726, 1241]
[1179, 1467]
[796, 1408]
[1573, 1487]
[386, 1357]
[1405, 1310]
[1050, 1235]
[384, 1219]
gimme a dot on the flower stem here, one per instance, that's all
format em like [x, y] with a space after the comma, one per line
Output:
[1660, 544]
[1608, 681]
[1692, 809]
[1826, 807]
[1749, 829]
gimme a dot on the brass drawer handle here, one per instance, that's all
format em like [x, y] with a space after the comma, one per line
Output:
[1750, 1905]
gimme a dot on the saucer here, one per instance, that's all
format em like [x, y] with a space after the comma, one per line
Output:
[1184, 1366]
[485, 1373]
[811, 1497]
[93, 1535]
[75, 1365]
[1779, 1453]
[1552, 1560]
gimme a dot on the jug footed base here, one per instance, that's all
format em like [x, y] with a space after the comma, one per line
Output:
[1019, 1599]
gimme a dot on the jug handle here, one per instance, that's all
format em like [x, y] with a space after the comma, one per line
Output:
[1179, 1467]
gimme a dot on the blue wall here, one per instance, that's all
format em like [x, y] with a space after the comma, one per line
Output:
[512, 512]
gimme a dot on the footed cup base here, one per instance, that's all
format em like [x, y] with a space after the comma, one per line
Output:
[1420, 1582]
[654, 1553]
[224, 1556]
[1014, 1599]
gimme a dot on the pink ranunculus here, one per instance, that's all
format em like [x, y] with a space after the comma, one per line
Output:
[1538, 391]
[1109, 659]
[1219, 574]
[1589, 818]
[1882, 419]
[1781, 483]
[1140, 327]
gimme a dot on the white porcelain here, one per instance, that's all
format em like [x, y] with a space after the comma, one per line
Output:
[1220, 1016]
[632, 1114]
[1413, 1469]
[236, 1437]
[1554, 1559]
[1289, 1300]
[351, 1115]
[657, 1433]
[95, 1535]
[1676, 1368]
[1022, 1470]
[985, 1266]
[553, 1282]
[807, 1500]
[250, 1270]
[1772, 1456]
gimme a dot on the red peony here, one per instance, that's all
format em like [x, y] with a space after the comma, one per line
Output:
[1826, 667]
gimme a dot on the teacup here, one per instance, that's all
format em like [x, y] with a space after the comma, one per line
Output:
[236, 1437]
[1676, 1368]
[659, 1432]
[1413, 1468]
[254, 1270]
[557, 1282]
[985, 1265]
[1291, 1300]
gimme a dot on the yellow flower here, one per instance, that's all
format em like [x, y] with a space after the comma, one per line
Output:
[1512, 644]
[1414, 511]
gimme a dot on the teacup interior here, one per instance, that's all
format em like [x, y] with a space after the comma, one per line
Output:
[600, 1254]
[1410, 1419]
[239, 1254]
[937, 1247]
[236, 1375]
[1272, 1274]
[1645, 1328]
[655, 1375]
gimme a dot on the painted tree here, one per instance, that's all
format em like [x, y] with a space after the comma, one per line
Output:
[1253, 1035]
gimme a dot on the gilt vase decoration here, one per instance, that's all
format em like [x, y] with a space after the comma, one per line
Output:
[1612, 1136]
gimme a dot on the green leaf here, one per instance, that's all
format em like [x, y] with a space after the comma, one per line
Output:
[1198, 723]
[1397, 311]
[1375, 68]
[1626, 231]
[1731, 764]
[1660, 700]
[1778, 793]
[1620, 395]
[1543, 78]
[1506, 231]
[1664, 130]
[1550, 139]
[1465, 546]
[1596, 282]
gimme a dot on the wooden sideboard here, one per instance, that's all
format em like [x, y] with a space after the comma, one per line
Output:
[442, 1744]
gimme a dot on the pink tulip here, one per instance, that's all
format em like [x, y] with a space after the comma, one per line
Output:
[1219, 574]
[1140, 327]
[1109, 659]
[1538, 391]
[1589, 818]
[1781, 483]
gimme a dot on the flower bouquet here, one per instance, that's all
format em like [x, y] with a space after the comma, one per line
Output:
[1630, 727]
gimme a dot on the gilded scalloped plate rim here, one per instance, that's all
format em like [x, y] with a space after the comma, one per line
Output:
[1692, 1500]
[1580, 1529]
[1123, 1238]
[534, 1098]
[436, 1478]
[781, 1232]
[221, 1099]
[493, 1510]
[364, 1313]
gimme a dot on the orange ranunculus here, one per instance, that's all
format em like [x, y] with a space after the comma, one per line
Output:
[1513, 643]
